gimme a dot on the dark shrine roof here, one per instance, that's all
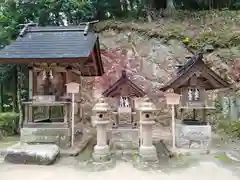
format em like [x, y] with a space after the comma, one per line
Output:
[51, 42]
[189, 69]
[124, 80]
[72, 45]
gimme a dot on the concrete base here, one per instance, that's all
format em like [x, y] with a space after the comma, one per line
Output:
[148, 153]
[101, 153]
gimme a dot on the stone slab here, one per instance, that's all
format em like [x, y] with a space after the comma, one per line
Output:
[188, 152]
[38, 154]
[193, 136]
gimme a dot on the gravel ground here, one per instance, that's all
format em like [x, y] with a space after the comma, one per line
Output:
[205, 170]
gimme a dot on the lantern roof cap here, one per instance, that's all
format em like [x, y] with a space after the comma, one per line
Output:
[101, 106]
[147, 105]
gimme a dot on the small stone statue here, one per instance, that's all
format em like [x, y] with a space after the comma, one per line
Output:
[196, 94]
[121, 102]
[190, 94]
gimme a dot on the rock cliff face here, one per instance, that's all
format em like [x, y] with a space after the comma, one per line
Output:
[149, 63]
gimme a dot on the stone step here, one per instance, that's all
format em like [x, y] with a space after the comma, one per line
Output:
[126, 154]
[124, 122]
[121, 139]
[125, 125]
[121, 145]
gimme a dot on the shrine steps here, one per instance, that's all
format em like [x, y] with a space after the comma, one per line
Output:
[124, 138]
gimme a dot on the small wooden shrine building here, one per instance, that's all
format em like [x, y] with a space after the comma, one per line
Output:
[192, 81]
[55, 56]
[124, 91]
[124, 87]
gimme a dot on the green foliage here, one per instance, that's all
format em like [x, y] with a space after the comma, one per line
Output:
[206, 4]
[223, 158]
[6, 71]
[9, 122]
[229, 128]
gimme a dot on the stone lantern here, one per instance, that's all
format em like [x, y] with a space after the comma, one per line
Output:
[101, 150]
[147, 150]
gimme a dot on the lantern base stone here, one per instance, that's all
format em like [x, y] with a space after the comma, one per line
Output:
[101, 153]
[148, 153]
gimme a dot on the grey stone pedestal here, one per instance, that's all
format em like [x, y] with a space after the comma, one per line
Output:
[147, 150]
[101, 150]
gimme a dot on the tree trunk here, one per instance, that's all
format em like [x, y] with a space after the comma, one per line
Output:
[125, 7]
[148, 5]
[170, 7]
[131, 4]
